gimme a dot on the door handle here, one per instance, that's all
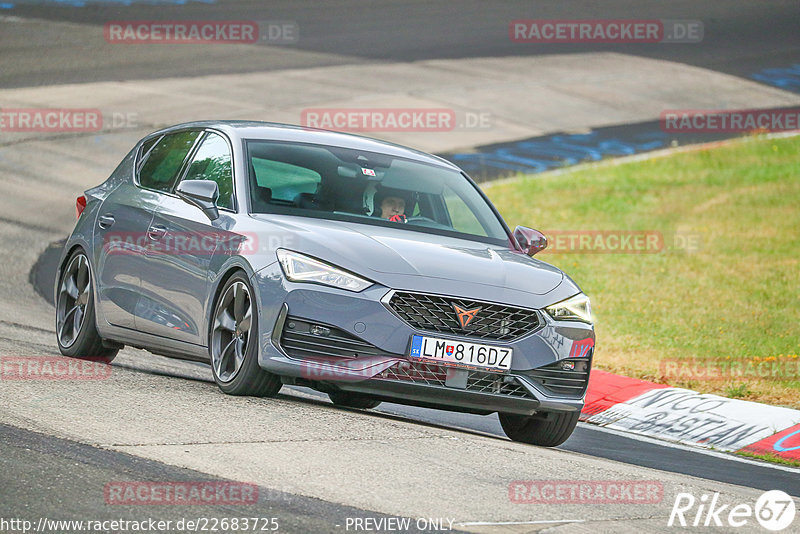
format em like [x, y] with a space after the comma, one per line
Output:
[156, 232]
[105, 221]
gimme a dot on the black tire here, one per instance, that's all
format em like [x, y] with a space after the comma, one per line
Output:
[352, 400]
[76, 327]
[248, 378]
[545, 432]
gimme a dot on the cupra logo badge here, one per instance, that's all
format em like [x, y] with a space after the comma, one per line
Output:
[465, 316]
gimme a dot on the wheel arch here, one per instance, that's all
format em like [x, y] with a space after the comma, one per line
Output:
[225, 274]
[69, 250]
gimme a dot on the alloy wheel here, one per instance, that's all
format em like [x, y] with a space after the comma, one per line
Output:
[231, 331]
[73, 298]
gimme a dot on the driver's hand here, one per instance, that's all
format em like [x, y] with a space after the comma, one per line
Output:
[401, 218]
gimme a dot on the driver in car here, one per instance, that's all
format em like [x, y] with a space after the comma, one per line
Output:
[390, 204]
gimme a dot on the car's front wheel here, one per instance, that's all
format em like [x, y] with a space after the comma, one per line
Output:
[233, 343]
[352, 400]
[76, 329]
[547, 430]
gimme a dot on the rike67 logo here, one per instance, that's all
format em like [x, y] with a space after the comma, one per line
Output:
[774, 511]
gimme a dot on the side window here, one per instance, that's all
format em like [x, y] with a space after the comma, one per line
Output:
[160, 170]
[285, 180]
[212, 161]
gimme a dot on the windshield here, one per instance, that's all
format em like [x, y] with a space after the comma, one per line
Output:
[367, 187]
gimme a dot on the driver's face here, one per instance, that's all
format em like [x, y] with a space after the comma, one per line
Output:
[392, 206]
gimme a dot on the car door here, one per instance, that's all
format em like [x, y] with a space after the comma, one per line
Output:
[123, 220]
[176, 284]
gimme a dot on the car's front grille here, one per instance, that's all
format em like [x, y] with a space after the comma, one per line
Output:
[566, 378]
[438, 314]
[302, 339]
[436, 375]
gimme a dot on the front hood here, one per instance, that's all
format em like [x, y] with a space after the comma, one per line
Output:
[387, 255]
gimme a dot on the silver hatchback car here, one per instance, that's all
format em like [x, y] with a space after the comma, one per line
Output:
[362, 269]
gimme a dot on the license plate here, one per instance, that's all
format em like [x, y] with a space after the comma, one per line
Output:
[460, 354]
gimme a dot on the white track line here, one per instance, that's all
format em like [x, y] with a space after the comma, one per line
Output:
[543, 522]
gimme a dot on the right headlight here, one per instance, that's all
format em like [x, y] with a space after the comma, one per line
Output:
[577, 308]
[301, 268]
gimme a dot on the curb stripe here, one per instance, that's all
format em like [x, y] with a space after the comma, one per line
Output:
[607, 389]
[686, 416]
[785, 444]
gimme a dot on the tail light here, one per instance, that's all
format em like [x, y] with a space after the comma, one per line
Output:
[80, 205]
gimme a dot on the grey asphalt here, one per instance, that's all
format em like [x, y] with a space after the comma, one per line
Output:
[741, 37]
[43, 476]
[595, 442]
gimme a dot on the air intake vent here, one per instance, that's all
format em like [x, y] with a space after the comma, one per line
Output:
[305, 340]
[436, 375]
[564, 378]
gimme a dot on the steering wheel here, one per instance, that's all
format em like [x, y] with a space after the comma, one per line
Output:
[420, 218]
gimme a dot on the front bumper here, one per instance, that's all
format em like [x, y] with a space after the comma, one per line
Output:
[365, 351]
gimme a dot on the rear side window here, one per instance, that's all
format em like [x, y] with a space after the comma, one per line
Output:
[160, 169]
[212, 161]
[146, 146]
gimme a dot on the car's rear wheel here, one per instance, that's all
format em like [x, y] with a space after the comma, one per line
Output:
[352, 400]
[546, 430]
[233, 343]
[76, 329]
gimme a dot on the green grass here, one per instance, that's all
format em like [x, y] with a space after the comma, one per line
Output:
[734, 298]
[770, 458]
[738, 391]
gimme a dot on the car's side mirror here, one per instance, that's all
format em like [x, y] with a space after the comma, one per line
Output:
[531, 241]
[200, 193]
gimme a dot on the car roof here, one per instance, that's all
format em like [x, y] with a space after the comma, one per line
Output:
[274, 131]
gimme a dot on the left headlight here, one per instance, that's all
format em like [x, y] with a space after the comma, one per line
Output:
[577, 308]
[299, 268]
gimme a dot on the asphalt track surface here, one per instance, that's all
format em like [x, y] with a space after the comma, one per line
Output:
[592, 441]
[56, 475]
[741, 38]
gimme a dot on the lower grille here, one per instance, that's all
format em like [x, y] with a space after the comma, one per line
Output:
[566, 378]
[305, 340]
[436, 375]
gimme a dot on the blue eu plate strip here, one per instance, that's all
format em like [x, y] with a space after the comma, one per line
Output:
[416, 346]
